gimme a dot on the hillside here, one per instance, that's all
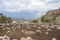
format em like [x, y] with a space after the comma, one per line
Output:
[52, 16]
[56, 11]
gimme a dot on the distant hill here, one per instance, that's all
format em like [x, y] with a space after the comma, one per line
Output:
[20, 20]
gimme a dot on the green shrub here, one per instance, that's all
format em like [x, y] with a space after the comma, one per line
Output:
[34, 21]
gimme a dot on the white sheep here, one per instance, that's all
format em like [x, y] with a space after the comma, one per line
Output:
[23, 38]
[53, 38]
[29, 38]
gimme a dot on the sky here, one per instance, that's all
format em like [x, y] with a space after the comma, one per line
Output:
[28, 9]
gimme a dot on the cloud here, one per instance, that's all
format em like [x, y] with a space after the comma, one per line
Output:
[19, 5]
[32, 5]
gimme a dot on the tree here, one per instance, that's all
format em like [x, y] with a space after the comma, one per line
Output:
[4, 19]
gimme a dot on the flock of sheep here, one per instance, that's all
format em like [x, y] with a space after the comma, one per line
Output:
[31, 31]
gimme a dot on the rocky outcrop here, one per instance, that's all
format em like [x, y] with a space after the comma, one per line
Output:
[56, 11]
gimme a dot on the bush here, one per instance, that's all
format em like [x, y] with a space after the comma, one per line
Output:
[35, 21]
[58, 19]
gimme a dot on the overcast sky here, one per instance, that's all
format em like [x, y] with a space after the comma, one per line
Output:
[27, 8]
